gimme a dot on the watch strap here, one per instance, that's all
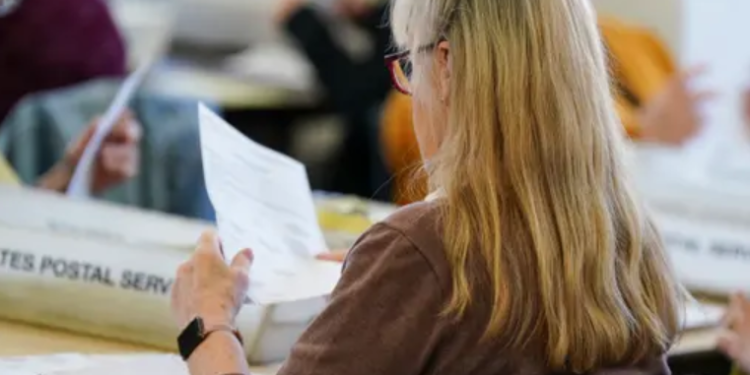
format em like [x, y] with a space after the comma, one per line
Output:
[197, 332]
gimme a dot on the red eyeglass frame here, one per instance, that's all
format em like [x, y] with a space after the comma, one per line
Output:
[393, 58]
[390, 62]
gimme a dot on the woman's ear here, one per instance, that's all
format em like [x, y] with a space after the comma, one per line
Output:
[444, 70]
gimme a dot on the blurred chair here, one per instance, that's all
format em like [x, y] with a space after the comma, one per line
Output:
[34, 136]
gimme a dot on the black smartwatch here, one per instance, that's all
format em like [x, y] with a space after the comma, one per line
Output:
[196, 332]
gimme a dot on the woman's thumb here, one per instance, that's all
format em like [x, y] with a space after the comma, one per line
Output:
[243, 260]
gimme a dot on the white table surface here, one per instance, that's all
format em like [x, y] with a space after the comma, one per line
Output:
[21, 340]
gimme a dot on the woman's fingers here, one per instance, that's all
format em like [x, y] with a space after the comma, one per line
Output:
[703, 95]
[336, 256]
[208, 244]
[243, 260]
[182, 287]
[241, 270]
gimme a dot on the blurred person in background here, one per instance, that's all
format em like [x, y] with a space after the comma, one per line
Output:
[62, 62]
[653, 97]
[49, 44]
[116, 162]
[355, 88]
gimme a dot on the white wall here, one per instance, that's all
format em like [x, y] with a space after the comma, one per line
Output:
[663, 16]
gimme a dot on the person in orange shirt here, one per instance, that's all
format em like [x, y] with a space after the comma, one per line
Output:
[654, 101]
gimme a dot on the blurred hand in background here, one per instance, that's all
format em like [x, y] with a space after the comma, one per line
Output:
[673, 116]
[116, 162]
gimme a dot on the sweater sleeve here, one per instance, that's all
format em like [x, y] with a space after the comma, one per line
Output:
[383, 317]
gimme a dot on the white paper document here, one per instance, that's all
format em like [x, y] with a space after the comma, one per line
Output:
[263, 202]
[80, 184]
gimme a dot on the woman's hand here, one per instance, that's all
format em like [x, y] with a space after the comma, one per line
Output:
[208, 288]
[735, 340]
[673, 116]
[334, 256]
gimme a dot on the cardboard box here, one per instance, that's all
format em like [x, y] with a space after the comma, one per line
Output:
[106, 270]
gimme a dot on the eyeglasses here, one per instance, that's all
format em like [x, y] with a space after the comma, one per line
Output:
[400, 67]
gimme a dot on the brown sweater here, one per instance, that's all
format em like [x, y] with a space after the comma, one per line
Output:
[383, 317]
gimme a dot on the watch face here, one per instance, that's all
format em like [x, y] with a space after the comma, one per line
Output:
[7, 6]
[190, 338]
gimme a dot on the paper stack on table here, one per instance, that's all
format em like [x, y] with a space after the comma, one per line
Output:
[263, 202]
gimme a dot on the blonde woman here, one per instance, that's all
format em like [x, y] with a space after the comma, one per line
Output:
[531, 257]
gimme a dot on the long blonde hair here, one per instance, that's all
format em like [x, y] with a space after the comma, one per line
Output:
[530, 167]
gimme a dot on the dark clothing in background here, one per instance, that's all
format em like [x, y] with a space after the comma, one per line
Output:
[49, 44]
[356, 90]
[353, 86]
